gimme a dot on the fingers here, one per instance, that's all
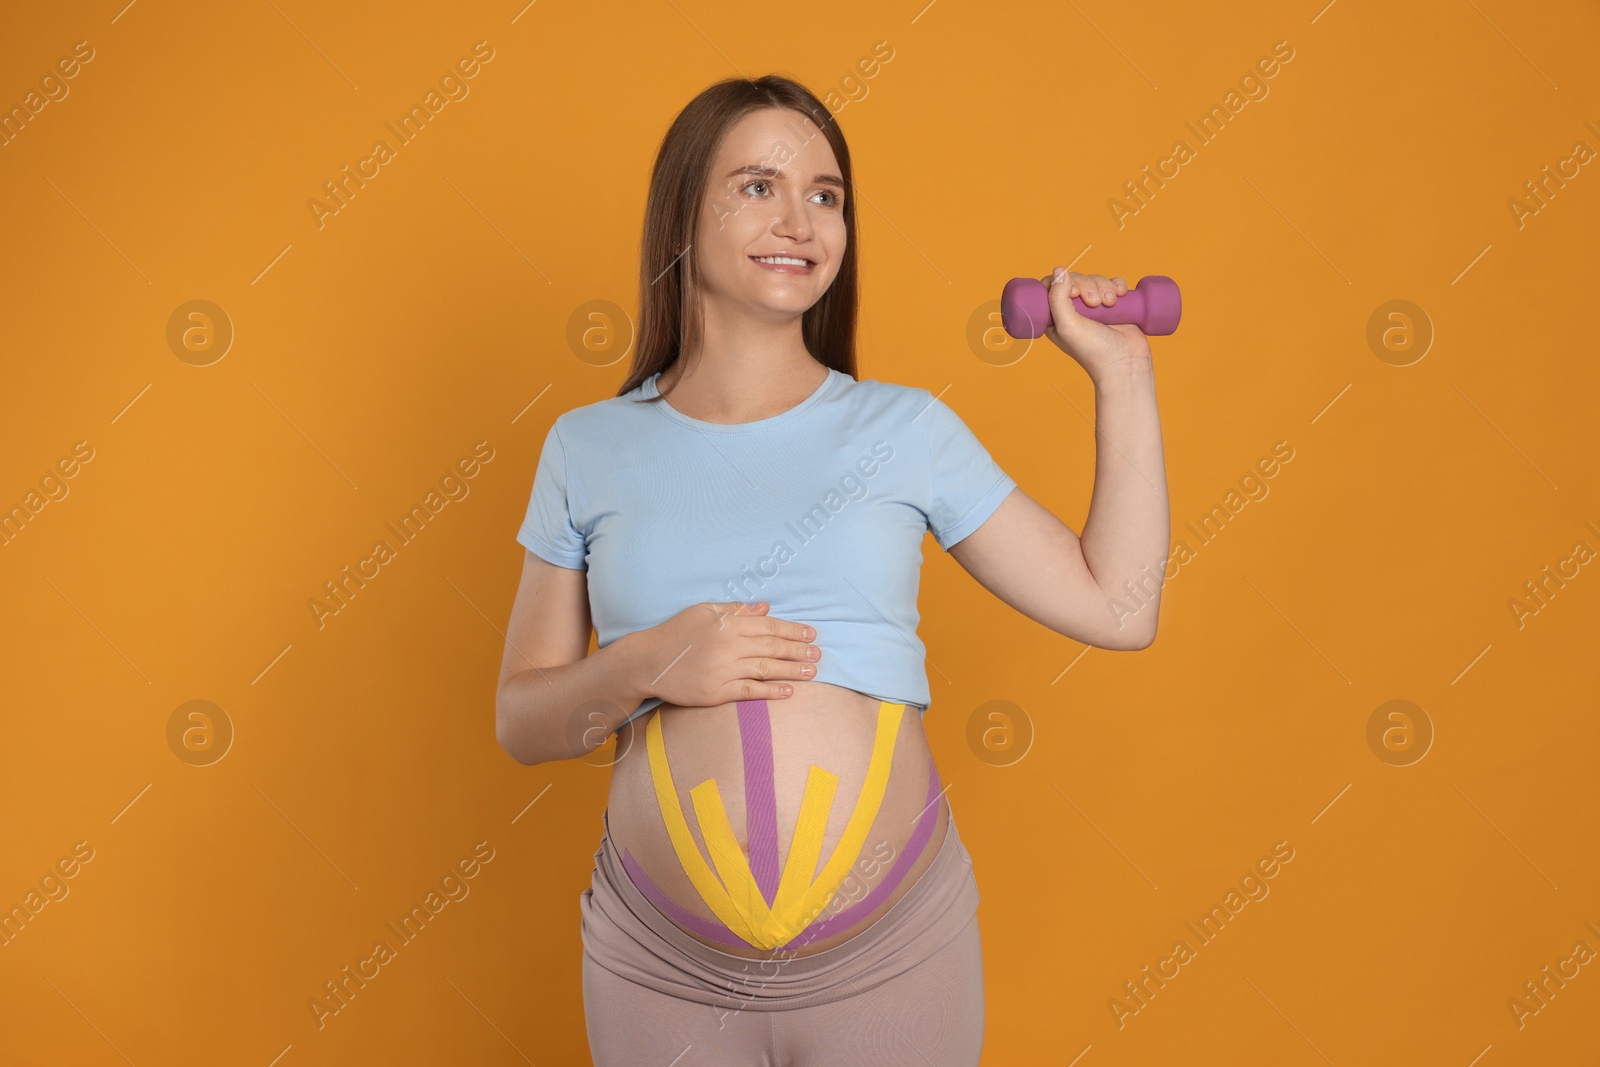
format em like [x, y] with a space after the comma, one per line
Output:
[765, 678]
[745, 689]
[1096, 289]
[1064, 286]
[792, 631]
[773, 636]
[726, 610]
[772, 646]
[772, 658]
[776, 627]
[776, 650]
[769, 669]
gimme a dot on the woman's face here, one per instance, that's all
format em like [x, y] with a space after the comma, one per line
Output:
[774, 189]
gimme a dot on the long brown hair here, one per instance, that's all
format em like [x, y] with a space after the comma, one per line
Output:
[669, 288]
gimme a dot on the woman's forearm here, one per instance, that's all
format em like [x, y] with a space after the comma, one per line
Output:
[544, 714]
[1126, 535]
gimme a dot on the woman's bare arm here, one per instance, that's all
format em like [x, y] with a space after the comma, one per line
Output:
[557, 701]
[549, 684]
[1105, 588]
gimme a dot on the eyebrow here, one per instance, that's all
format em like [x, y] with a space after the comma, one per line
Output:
[773, 172]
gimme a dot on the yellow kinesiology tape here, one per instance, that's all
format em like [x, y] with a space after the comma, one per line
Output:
[736, 899]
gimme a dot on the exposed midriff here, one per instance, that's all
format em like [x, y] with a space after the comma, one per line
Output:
[822, 724]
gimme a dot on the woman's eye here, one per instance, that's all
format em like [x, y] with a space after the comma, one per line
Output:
[833, 197]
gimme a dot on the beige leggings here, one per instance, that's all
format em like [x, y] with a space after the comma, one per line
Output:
[908, 990]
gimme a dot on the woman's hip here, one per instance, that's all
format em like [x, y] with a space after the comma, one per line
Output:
[627, 933]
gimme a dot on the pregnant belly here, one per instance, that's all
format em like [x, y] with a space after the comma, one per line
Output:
[752, 825]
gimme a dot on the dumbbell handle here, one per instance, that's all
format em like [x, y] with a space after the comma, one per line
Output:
[1153, 305]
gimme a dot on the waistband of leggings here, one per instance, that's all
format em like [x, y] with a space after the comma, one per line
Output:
[936, 908]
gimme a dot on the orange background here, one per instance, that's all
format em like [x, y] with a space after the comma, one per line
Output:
[433, 311]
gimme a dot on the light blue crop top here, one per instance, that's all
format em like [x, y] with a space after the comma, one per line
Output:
[820, 510]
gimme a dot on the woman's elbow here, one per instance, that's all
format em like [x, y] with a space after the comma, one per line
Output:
[1129, 638]
[512, 737]
[515, 751]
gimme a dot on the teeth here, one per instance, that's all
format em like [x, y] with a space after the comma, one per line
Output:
[782, 259]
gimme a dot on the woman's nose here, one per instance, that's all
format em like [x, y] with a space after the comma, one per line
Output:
[793, 220]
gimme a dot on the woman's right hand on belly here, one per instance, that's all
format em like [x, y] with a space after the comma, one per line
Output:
[714, 653]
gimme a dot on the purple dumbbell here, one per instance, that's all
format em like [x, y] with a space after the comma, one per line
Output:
[1152, 305]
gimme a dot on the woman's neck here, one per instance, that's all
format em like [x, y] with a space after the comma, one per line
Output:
[728, 385]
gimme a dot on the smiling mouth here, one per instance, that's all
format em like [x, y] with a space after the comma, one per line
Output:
[806, 265]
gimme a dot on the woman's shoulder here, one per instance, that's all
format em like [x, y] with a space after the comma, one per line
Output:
[892, 395]
[602, 416]
[888, 403]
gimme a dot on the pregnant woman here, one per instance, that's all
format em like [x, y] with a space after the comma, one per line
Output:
[779, 880]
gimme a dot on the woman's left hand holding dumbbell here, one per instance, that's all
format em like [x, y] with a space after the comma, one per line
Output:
[1102, 350]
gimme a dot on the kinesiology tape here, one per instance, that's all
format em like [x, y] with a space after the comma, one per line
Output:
[755, 902]
[822, 926]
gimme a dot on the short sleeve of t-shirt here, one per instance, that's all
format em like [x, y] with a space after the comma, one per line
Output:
[547, 530]
[967, 485]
